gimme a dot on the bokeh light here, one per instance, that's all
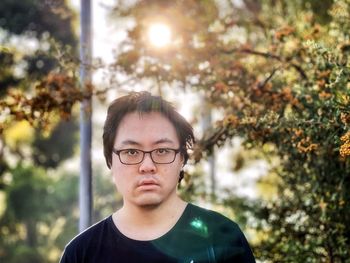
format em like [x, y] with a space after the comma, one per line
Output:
[159, 35]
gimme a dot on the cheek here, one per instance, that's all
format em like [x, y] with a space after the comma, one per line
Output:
[172, 172]
[122, 184]
[116, 180]
[118, 175]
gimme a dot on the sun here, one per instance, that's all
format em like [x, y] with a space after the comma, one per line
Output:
[159, 35]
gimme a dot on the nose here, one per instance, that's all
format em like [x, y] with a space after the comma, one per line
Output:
[147, 165]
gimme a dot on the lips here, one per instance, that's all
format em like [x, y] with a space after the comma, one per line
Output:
[147, 182]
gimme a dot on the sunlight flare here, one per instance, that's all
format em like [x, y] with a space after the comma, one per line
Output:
[159, 35]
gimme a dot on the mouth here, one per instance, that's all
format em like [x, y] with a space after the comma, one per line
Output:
[147, 183]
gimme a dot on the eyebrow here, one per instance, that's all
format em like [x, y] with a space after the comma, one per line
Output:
[163, 140]
[135, 143]
[130, 142]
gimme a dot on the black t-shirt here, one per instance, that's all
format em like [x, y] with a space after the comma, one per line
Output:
[200, 235]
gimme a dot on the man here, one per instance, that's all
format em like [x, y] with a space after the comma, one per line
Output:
[145, 145]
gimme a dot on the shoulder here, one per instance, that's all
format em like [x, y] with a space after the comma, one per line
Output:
[90, 233]
[211, 217]
[221, 229]
[217, 226]
[80, 244]
[226, 236]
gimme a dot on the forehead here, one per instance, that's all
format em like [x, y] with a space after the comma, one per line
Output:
[145, 129]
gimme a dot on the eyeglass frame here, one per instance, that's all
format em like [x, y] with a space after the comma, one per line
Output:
[117, 152]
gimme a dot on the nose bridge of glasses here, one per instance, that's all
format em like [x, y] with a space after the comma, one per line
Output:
[145, 153]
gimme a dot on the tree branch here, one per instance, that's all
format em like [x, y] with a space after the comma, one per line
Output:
[263, 84]
[268, 56]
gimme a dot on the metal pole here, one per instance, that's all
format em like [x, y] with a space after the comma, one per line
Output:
[207, 122]
[85, 184]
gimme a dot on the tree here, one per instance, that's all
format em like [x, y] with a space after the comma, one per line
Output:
[36, 69]
[31, 221]
[278, 72]
[37, 80]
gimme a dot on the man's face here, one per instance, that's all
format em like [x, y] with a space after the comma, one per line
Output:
[146, 183]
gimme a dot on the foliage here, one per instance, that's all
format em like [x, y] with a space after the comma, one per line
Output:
[36, 56]
[37, 75]
[31, 221]
[38, 17]
[38, 87]
[45, 151]
[278, 72]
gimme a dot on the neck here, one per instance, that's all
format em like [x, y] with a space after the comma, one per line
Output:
[152, 214]
[148, 222]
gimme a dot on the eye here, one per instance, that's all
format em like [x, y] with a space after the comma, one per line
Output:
[131, 152]
[163, 151]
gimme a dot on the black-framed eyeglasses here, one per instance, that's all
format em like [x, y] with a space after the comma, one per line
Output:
[136, 156]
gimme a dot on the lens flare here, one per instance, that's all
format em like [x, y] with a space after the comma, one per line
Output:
[159, 35]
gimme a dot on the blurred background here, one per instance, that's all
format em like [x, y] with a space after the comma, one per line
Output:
[265, 83]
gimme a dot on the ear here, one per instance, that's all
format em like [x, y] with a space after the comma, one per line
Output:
[182, 161]
[181, 176]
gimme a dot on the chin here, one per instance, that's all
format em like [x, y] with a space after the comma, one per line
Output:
[151, 201]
